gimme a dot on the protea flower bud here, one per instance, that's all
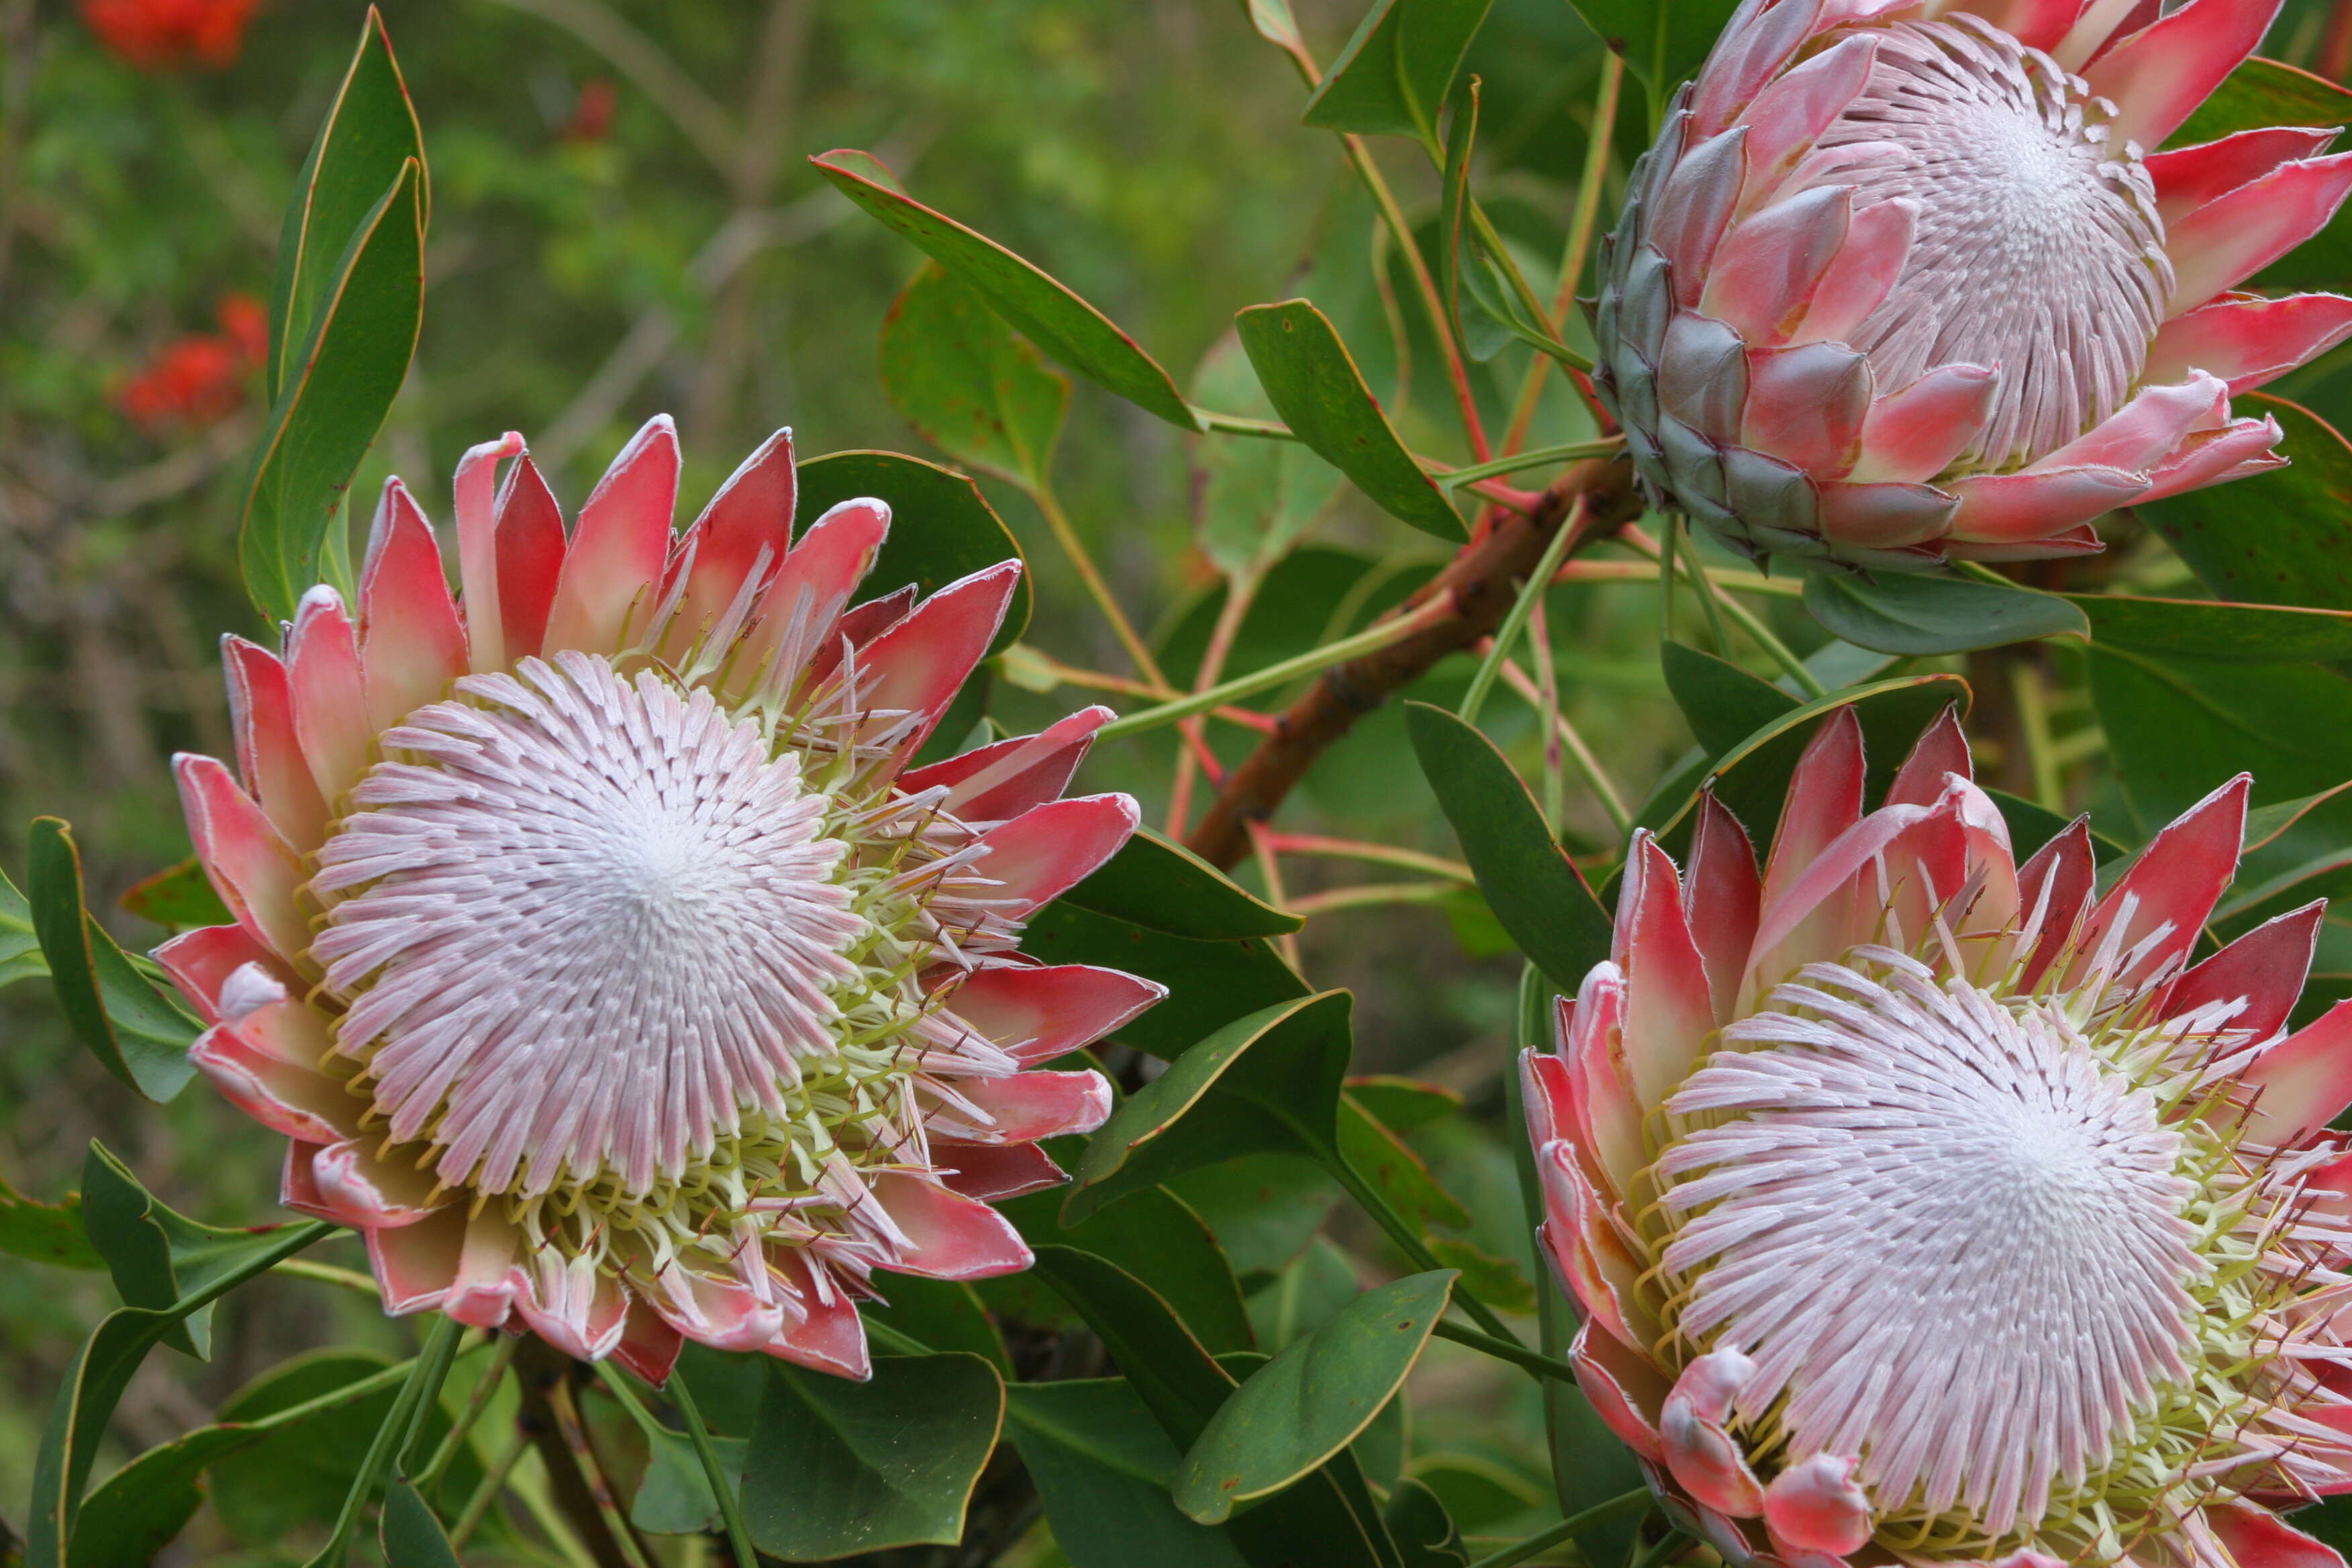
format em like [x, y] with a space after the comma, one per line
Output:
[1927, 1207]
[595, 950]
[1902, 281]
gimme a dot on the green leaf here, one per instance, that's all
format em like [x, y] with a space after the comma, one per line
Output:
[140, 1508]
[1540, 898]
[1403, 1104]
[836, 1468]
[2263, 92]
[1313, 383]
[159, 1257]
[1153, 1236]
[1918, 612]
[1327, 1520]
[1663, 40]
[92, 1385]
[2276, 537]
[939, 1315]
[411, 1534]
[45, 1233]
[2235, 634]
[1310, 1400]
[674, 1497]
[941, 529]
[1267, 1083]
[959, 375]
[1159, 884]
[1101, 1464]
[1256, 499]
[1398, 68]
[2031, 825]
[1262, 1208]
[179, 897]
[1272, 20]
[20, 944]
[1042, 308]
[1424, 1531]
[1723, 703]
[368, 132]
[334, 396]
[136, 1033]
[1210, 983]
[1398, 1173]
[1305, 1296]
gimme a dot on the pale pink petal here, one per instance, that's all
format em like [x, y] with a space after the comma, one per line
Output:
[1941, 749]
[530, 552]
[410, 644]
[1669, 1009]
[1798, 107]
[254, 869]
[1824, 800]
[1603, 1113]
[2036, 24]
[1832, 904]
[2248, 341]
[746, 528]
[2236, 235]
[1806, 405]
[572, 1305]
[2188, 177]
[725, 1314]
[415, 1265]
[1705, 1458]
[244, 1064]
[1877, 244]
[2304, 1082]
[612, 570]
[296, 1189]
[2170, 888]
[357, 1189]
[268, 752]
[992, 1172]
[2080, 540]
[1816, 1505]
[2266, 968]
[1585, 1249]
[199, 961]
[1028, 1106]
[2158, 75]
[1626, 1389]
[1885, 516]
[991, 782]
[2010, 509]
[1722, 894]
[1546, 1092]
[1038, 1015]
[797, 624]
[649, 1345]
[1765, 270]
[1694, 206]
[2054, 891]
[949, 1235]
[831, 1337]
[1753, 48]
[480, 554]
[331, 710]
[2257, 1538]
[490, 1278]
[918, 665]
[1049, 850]
[2243, 448]
[1916, 434]
[2145, 430]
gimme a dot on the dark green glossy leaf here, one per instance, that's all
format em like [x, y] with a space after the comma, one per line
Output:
[1398, 1173]
[179, 897]
[138, 1510]
[1153, 1236]
[1210, 983]
[941, 529]
[1048, 313]
[334, 396]
[1262, 1208]
[1398, 68]
[2277, 538]
[2198, 628]
[1311, 1400]
[91, 1387]
[1663, 40]
[45, 1233]
[674, 1497]
[20, 944]
[411, 1535]
[2263, 92]
[1326, 1521]
[159, 1257]
[368, 132]
[1722, 702]
[959, 375]
[136, 1031]
[2031, 825]
[1101, 1464]
[1256, 499]
[1313, 383]
[939, 1315]
[2266, 824]
[1305, 1296]
[1403, 1104]
[836, 1468]
[1540, 898]
[1929, 613]
[1159, 884]
[1424, 1531]
[1267, 1083]
[1481, 1493]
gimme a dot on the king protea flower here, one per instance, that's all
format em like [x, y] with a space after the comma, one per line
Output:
[1904, 279]
[593, 947]
[1925, 1206]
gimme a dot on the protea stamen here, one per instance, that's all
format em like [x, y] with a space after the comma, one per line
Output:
[1962, 1225]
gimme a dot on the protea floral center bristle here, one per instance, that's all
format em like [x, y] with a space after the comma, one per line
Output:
[638, 967]
[2000, 1252]
[2039, 248]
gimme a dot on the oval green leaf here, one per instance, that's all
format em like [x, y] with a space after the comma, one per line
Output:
[2230, 634]
[1210, 983]
[2277, 538]
[136, 1031]
[1101, 1464]
[941, 528]
[1723, 703]
[1308, 1402]
[1396, 70]
[959, 375]
[1159, 884]
[1920, 612]
[1313, 383]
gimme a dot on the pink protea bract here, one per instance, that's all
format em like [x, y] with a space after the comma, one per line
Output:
[1907, 279]
[1928, 1207]
[597, 950]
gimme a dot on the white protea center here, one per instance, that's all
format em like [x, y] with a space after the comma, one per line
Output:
[2039, 248]
[1988, 1246]
[634, 960]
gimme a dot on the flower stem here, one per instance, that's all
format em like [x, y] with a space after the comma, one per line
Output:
[326, 1274]
[478, 1401]
[1243, 425]
[1374, 854]
[1453, 478]
[1539, 580]
[1506, 1350]
[1408, 1240]
[731, 1505]
[608, 1509]
[1807, 681]
[494, 1481]
[1617, 1506]
[396, 1431]
[1440, 326]
[1050, 507]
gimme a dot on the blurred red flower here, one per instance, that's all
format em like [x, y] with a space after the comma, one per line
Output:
[591, 115]
[200, 378]
[165, 35]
